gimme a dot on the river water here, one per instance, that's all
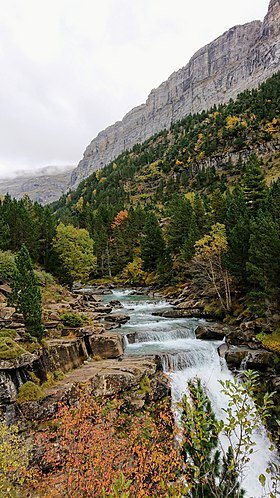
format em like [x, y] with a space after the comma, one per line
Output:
[184, 357]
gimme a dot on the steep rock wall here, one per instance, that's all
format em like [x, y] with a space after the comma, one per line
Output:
[240, 59]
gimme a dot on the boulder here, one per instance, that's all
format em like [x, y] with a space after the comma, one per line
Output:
[6, 313]
[106, 345]
[117, 318]
[8, 389]
[246, 358]
[237, 336]
[123, 376]
[208, 332]
[22, 361]
[115, 303]
[223, 349]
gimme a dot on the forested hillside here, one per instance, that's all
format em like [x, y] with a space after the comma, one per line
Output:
[199, 199]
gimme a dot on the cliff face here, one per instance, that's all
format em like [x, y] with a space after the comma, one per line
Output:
[46, 186]
[240, 59]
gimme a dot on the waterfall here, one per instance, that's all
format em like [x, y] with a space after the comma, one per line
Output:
[184, 358]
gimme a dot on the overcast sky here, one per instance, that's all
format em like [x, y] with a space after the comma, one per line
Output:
[69, 68]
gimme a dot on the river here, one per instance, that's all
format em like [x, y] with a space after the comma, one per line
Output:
[184, 357]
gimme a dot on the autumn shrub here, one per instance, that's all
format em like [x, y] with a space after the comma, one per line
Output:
[89, 445]
[270, 342]
[29, 391]
[14, 459]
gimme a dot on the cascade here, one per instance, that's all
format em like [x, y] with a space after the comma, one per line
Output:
[184, 358]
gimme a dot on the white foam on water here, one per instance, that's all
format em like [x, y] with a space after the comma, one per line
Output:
[184, 358]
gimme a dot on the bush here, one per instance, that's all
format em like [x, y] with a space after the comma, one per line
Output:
[29, 391]
[43, 277]
[73, 319]
[9, 349]
[7, 265]
[8, 333]
[270, 342]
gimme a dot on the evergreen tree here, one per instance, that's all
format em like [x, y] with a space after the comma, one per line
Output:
[238, 233]
[26, 296]
[152, 243]
[264, 251]
[180, 212]
[254, 186]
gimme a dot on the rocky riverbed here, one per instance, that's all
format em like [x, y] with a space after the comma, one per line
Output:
[93, 354]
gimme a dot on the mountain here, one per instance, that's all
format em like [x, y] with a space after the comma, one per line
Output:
[240, 59]
[44, 186]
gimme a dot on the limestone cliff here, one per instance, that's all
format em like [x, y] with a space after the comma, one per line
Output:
[44, 185]
[240, 59]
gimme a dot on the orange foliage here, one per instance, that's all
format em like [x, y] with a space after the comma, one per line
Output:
[119, 218]
[91, 444]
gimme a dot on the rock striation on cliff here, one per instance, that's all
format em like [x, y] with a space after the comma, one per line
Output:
[240, 59]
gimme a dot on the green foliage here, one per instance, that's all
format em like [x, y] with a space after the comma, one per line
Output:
[75, 251]
[26, 296]
[152, 243]
[7, 265]
[34, 378]
[133, 273]
[29, 391]
[73, 319]
[206, 472]
[120, 488]
[145, 385]
[9, 349]
[254, 186]
[8, 333]
[43, 277]
[14, 460]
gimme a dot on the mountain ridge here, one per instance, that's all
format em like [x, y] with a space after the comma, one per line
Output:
[239, 59]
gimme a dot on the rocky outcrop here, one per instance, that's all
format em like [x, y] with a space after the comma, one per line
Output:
[240, 59]
[100, 378]
[44, 186]
[243, 357]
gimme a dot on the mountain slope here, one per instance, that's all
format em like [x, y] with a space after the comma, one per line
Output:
[44, 186]
[240, 59]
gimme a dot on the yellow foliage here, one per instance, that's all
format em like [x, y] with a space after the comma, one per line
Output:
[98, 174]
[271, 342]
[232, 121]
[271, 127]
[80, 204]
[14, 457]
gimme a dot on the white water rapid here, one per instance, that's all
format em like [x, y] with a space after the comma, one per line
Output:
[184, 357]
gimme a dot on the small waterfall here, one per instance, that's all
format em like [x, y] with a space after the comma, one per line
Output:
[162, 336]
[184, 358]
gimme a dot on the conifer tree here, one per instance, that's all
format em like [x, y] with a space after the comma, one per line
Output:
[152, 243]
[26, 296]
[254, 186]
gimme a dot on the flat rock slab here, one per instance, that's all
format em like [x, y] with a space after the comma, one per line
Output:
[104, 378]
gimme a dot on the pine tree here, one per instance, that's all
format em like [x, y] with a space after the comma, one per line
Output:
[26, 296]
[180, 212]
[254, 186]
[152, 243]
